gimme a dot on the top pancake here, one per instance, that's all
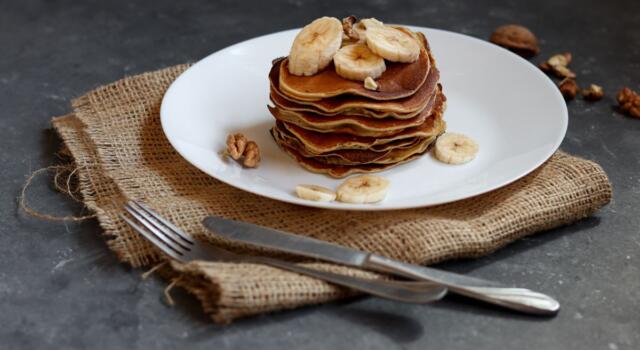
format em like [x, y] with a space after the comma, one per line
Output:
[403, 108]
[398, 81]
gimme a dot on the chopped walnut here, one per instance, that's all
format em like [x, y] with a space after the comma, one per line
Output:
[251, 155]
[558, 65]
[347, 27]
[562, 59]
[568, 88]
[563, 72]
[592, 93]
[236, 145]
[545, 67]
[516, 38]
[370, 84]
[629, 102]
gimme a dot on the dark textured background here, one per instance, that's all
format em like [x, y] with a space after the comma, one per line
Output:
[61, 288]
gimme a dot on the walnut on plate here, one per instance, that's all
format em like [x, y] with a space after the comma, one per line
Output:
[251, 155]
[236, 144]
[239, 147]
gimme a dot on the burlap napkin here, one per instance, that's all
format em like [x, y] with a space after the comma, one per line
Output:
[121, 153]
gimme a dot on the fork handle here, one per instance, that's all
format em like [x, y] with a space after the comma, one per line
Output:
[519, 299]
[411, 292]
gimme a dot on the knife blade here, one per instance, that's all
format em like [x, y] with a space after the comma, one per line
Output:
[285, 242]
[520, 299]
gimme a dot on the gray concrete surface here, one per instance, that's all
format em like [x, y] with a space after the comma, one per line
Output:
[61, 288]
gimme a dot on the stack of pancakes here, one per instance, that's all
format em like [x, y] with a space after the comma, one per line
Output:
[336, 126]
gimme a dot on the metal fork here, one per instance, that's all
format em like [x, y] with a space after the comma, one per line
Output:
[181, 246]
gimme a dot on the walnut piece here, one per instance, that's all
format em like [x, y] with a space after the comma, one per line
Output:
[592, 93]
[236, 145]
[347, 27]
[563, 72]
[251, 155]
[561, 59]
[558, 65]
[568, 88]
[629, 102]
[545, 67]
[517, 39]
[370, 84]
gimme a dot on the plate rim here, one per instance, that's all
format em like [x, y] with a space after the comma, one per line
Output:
[375, 206]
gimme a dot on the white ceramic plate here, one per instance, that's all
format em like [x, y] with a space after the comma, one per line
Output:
[502, 101]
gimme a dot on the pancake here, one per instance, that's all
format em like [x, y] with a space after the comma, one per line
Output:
[391, 157]
[356, 156]
[399, 79]
[402, 108]
[318, 142]
[352, 155]
[353, 125]
[340, 171]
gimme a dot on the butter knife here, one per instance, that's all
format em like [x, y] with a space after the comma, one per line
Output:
[519, 299]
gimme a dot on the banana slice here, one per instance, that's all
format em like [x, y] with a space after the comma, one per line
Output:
[452, 148]
[315, 193]
[363, 189]
[357, 62]
[314, 47]
[371, 22]
[391, 43]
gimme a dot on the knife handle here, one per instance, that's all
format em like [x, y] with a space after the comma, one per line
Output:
[519, 299]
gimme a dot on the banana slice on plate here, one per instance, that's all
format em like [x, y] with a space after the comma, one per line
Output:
[363, 189]
[452, 148]
[315, 193]
[313, 48]
[390, 43]
[357, 62]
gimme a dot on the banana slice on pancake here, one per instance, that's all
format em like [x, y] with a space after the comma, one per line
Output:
[452, 148]
[363, 189]
[357, 62]
[390, 43]
[314, 47]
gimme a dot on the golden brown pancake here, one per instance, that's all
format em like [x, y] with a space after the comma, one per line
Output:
[402, 108]
[356, 156]
[353, 125]
[399, 79]
[318, 142]
[340, 171]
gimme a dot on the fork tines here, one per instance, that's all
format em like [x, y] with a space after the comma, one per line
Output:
[163, 234]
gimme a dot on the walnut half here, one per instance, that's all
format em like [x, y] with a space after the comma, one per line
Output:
[251, 155]
[236, 145]
[516, 38]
